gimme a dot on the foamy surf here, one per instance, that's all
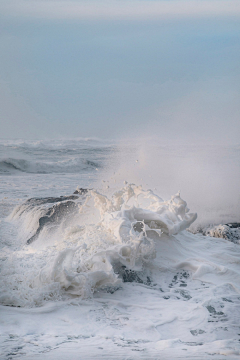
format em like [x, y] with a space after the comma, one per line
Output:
[136, 276]
[114, 272]
[89, 240]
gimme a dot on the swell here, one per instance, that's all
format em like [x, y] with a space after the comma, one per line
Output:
[72, 146]
[74, 165]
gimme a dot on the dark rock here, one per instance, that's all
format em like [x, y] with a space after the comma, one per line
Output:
[230, 231]
[129, 275]
[81, 191]
[233, 225]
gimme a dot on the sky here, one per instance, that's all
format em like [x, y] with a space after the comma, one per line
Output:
[120, 69]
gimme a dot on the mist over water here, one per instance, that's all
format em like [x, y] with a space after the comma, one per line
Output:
[207, 176]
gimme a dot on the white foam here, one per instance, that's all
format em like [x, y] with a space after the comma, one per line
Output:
[181, 299]
[84, 257]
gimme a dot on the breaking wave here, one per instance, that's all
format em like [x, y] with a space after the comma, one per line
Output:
[92, 245]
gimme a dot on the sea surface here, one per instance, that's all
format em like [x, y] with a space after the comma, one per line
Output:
[101, 254]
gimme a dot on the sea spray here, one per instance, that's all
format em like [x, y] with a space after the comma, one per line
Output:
[88, 253]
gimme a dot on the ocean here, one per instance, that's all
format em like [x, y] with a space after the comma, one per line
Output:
[100, 256]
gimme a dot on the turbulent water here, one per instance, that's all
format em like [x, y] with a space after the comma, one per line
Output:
[101, 257]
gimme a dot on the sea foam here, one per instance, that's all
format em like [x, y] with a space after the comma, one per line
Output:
[106, 235]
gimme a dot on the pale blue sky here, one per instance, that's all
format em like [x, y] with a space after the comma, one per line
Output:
[121, 68]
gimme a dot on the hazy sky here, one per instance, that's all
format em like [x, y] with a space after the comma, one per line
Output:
[116, 69]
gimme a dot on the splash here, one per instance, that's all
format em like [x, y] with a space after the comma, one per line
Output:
[91, 249]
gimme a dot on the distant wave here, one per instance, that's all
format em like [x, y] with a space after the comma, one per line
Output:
[54, 144]
[76, 165]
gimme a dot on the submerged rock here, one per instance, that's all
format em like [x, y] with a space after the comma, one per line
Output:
[230, 231]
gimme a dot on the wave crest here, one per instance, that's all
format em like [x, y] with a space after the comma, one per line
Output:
[104, 237]
[73, 165]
